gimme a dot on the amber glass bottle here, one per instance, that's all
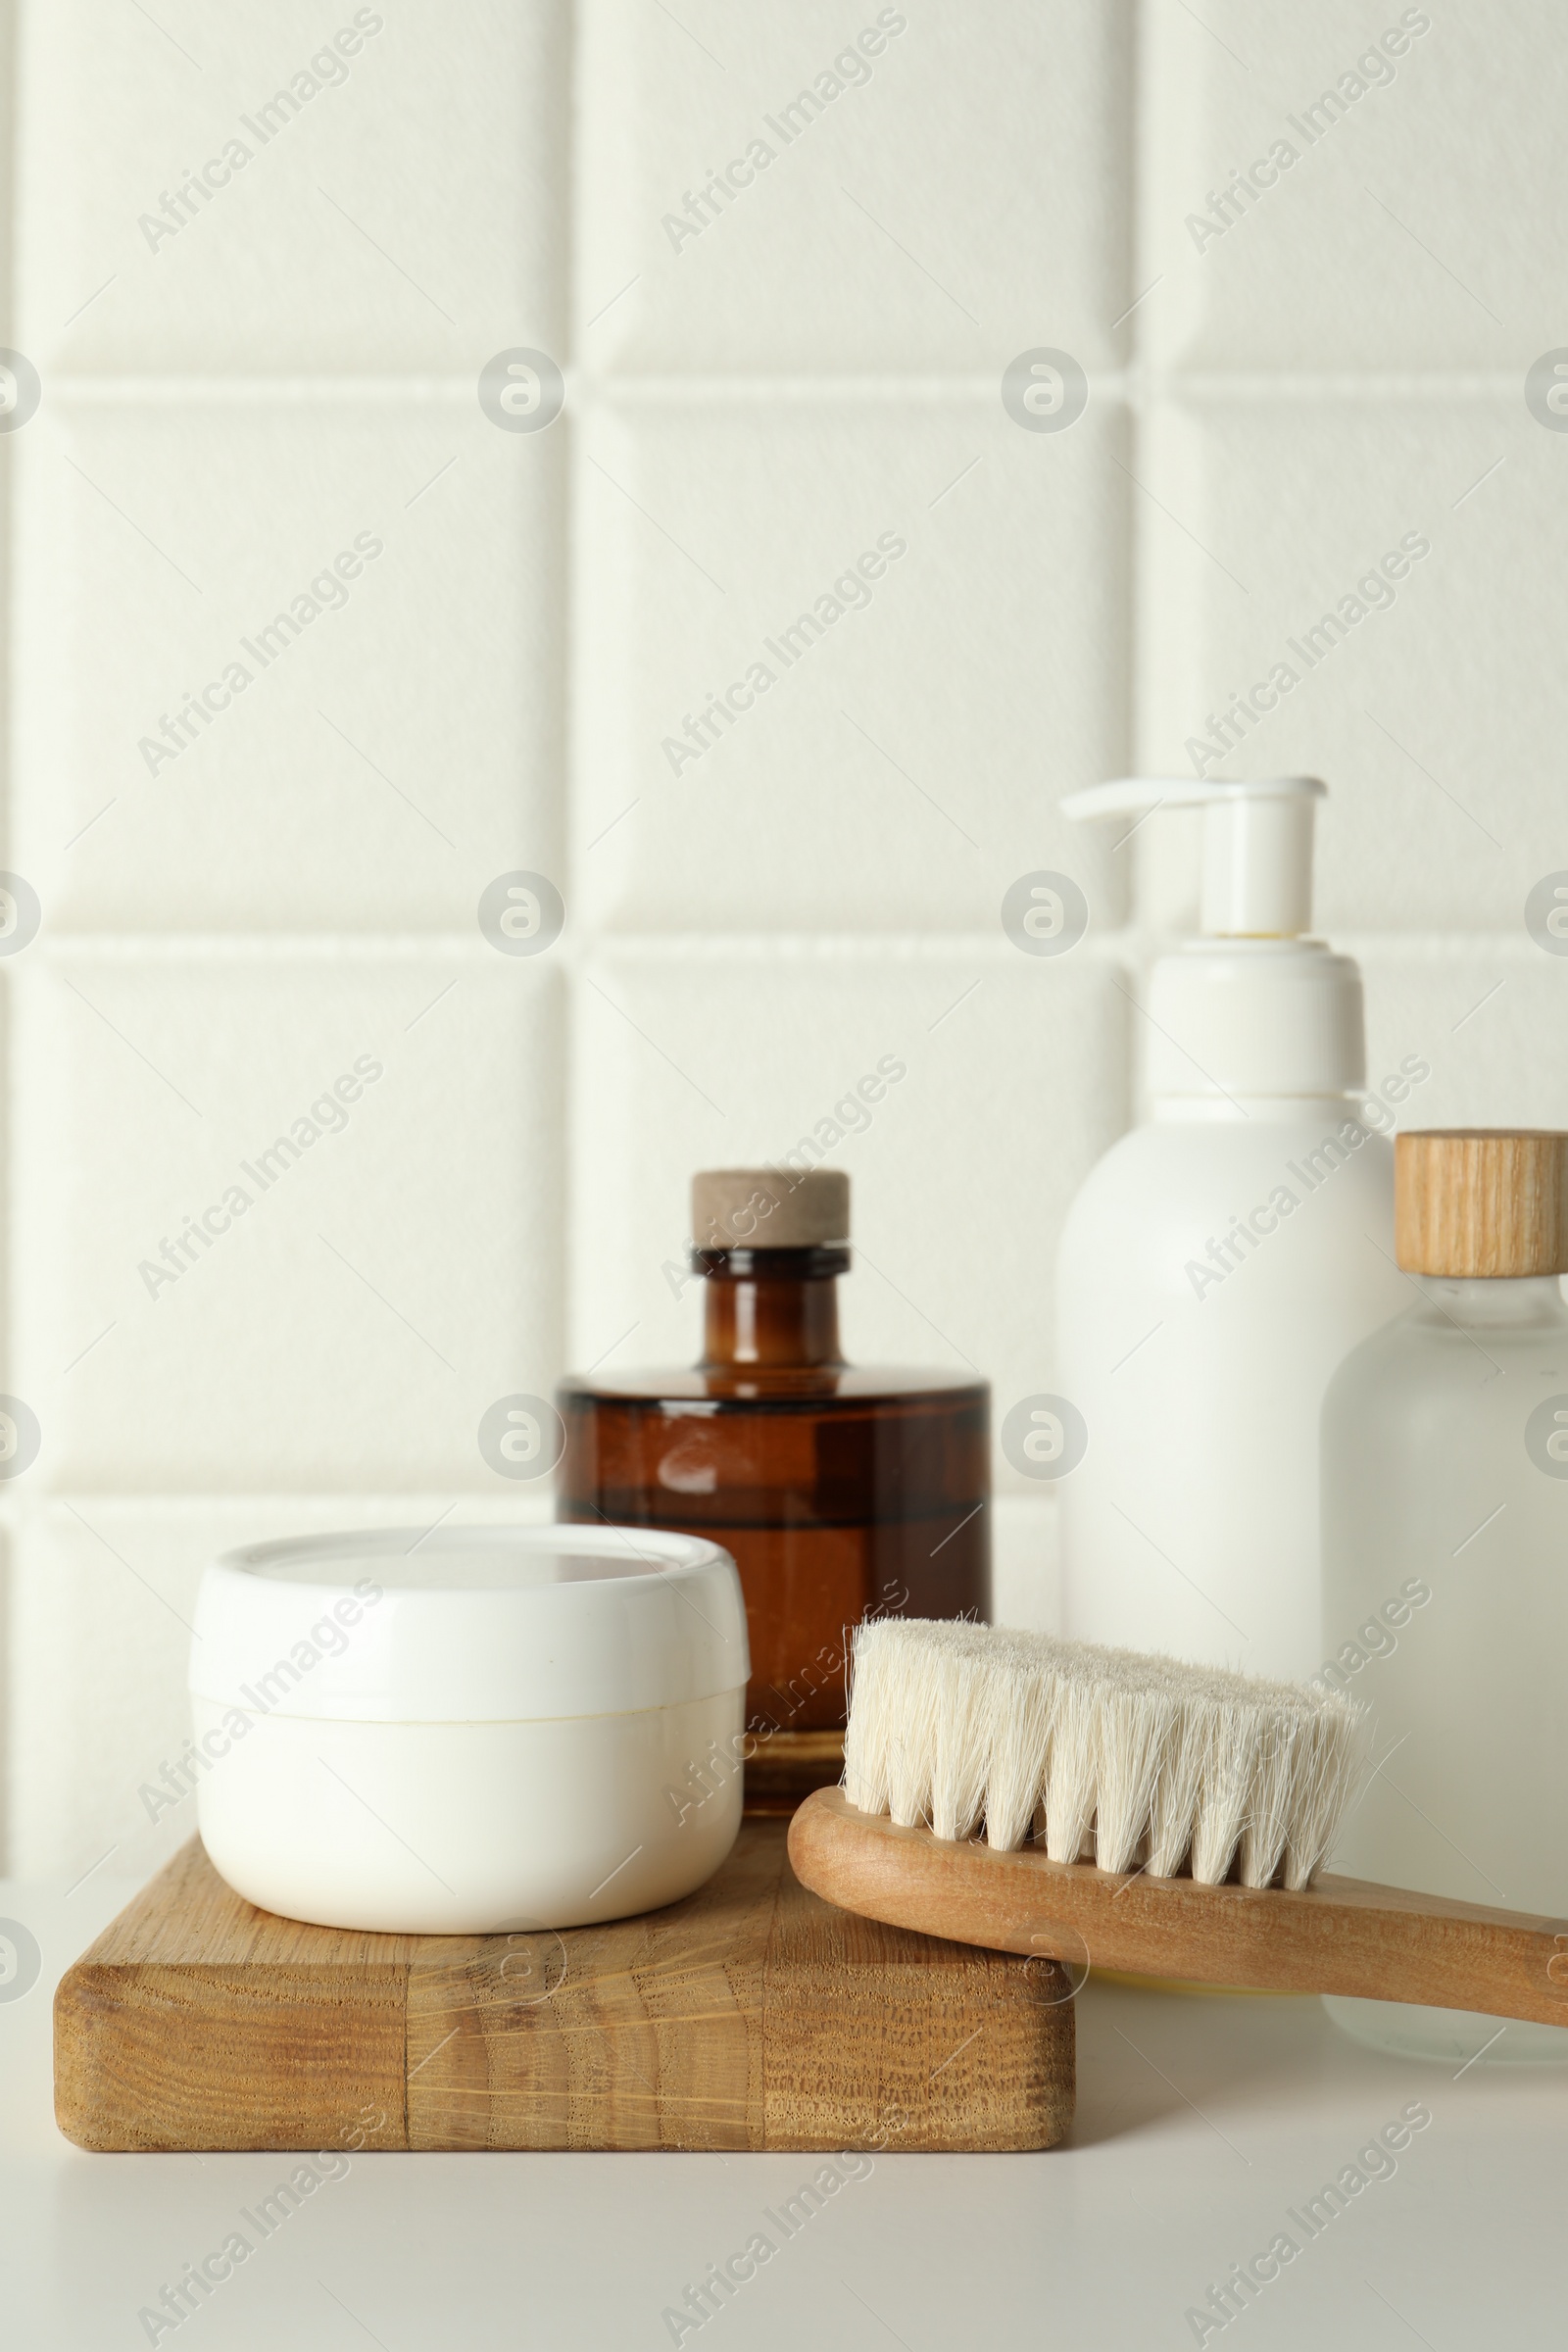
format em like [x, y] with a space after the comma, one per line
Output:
[841, 1493]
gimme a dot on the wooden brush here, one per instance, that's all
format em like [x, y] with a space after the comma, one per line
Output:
[1208, 1801]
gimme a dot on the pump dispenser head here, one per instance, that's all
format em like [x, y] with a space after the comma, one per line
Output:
[1254, 1006]
[1257, 844]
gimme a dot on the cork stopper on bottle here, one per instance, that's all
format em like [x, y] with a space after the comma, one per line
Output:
[1481, 1201]
[769, 1208]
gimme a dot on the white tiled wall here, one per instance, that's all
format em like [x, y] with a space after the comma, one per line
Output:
[411, 733]
[755, 398]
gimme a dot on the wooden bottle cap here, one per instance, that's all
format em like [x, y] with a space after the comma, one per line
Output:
[1481, 1201]
[769, 1208]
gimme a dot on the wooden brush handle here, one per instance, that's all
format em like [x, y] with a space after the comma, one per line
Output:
[1343, 1935]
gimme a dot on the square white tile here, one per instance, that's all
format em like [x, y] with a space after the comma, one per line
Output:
[284, 666]
[1367, 579]
[837, 666]
[794, 188]
[288, 1223]
[271, 190]
[1305, 205]
[1002, 1080]
[1488, 1018]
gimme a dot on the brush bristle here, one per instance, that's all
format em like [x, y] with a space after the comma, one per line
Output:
[1106, 1755]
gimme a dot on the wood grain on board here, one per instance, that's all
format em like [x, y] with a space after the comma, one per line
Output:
[750, 2016]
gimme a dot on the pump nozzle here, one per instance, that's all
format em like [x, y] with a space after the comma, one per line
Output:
[1257, 844]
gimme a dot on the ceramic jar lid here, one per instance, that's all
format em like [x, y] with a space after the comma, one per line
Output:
[470, 1625]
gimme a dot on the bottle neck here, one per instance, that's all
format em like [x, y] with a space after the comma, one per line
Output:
[1494, 1302]
[1264, 1111]
[778, 1308]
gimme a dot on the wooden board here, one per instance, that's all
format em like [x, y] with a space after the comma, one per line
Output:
[750, 2016]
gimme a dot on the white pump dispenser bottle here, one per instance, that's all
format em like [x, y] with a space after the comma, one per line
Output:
[1221, 1258]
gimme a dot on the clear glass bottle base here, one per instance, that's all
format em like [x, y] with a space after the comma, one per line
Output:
[1403, 2029]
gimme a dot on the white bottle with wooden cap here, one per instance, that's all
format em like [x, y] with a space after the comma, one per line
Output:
[1220, 1260]
[1446, 1559]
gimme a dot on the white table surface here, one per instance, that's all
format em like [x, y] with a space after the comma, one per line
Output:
[1201, 2121]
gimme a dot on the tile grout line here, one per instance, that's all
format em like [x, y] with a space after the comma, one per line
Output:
[1134, 385]
[1124, 944]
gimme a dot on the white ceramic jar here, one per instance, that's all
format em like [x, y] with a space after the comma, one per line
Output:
[487, 1730]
